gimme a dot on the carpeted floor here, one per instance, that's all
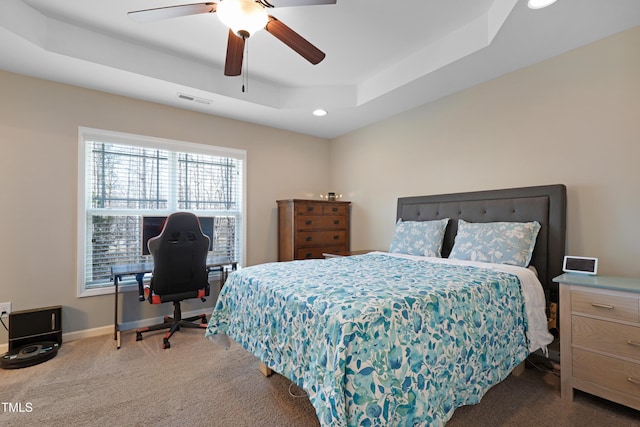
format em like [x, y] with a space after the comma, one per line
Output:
[198, 383]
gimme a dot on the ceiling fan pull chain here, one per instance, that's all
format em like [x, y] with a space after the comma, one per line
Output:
[245, 75]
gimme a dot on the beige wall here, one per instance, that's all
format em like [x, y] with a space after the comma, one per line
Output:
[574, 119]
[39, 123]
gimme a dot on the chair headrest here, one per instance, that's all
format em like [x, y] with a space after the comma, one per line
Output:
[179, 226]
[181, 221]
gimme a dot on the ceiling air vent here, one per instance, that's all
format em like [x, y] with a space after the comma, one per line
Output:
[194, 98]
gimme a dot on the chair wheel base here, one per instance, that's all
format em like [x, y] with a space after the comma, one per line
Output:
[138, 336]
[166, 344]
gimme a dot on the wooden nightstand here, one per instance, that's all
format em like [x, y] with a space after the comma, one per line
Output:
[346, 253]
[600, 337]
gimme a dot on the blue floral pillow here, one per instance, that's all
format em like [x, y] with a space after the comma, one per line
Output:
[422, 238]
[497, 242]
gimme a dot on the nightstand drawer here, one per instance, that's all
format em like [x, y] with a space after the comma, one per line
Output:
[600, 337]
[609, 337]
[609, 306]
[606, 371]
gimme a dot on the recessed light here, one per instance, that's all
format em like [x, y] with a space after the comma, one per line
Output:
[539, 4]
[319, 112]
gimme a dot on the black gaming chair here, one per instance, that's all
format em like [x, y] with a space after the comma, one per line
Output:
[179, 272]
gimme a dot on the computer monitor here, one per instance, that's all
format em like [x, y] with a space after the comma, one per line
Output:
[152, 227]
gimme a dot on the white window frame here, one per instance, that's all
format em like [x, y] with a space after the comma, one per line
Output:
[84, 134]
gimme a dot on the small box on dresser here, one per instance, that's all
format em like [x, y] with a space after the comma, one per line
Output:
[600, 337]
[309, 228]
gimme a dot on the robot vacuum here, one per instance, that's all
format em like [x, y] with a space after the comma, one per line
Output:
[29, 355]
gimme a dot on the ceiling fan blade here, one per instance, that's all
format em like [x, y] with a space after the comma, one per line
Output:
[288, 3]
[155, 14]
[235, 51]
[294, 40]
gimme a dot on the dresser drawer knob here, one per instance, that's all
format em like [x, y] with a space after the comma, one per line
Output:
[308, 239]
[633, 343]
[336, 237]
[596, 304]
[308, 222]
[633, 380]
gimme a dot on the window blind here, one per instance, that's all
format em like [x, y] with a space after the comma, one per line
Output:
[125, 180]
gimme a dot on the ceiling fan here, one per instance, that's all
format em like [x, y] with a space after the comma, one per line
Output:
[244, 18]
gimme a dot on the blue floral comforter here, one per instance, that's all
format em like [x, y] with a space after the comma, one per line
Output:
[376, 339]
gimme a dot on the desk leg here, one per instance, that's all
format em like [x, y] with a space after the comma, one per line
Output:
[116, 327]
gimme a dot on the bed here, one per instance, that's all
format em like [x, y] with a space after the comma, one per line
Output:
[405, 338]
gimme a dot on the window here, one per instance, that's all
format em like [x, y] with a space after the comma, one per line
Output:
[124, 177]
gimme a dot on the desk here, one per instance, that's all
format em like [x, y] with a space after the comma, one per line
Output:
[139, 270]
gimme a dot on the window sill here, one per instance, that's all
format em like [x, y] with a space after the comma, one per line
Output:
[108, 290]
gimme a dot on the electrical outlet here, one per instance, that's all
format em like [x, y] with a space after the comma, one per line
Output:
[5, 308]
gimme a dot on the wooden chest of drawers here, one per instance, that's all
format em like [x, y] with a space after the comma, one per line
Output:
[600, 337]
[308, 228]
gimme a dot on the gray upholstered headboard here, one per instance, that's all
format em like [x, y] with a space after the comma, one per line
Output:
[546, 204]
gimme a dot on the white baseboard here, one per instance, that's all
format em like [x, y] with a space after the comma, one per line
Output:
[103, 330]
[87, 333]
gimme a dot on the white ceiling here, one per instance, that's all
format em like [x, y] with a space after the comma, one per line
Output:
[382, 57]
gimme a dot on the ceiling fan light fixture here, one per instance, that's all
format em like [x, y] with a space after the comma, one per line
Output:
[319, 112]
[539, 4]
[244, 17]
